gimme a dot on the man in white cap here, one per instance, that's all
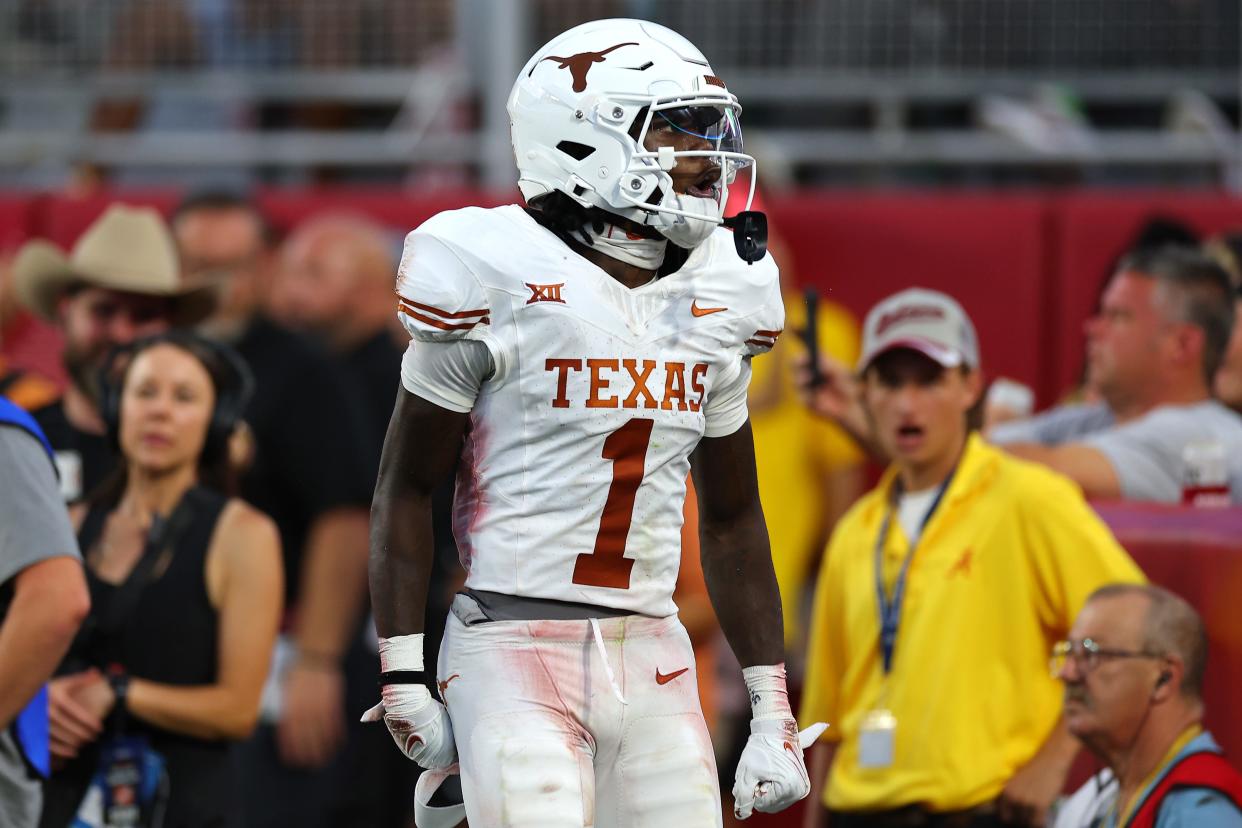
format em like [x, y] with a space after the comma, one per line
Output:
[942, 591]
[122, 281]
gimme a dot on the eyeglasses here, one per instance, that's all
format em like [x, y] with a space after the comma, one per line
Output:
[1088, 654]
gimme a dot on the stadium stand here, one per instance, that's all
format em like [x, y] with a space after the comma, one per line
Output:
[860, 92]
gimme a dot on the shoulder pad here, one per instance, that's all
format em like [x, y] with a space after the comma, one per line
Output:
[767, 324]
[759, 284]
[752, 292]
[438, 295]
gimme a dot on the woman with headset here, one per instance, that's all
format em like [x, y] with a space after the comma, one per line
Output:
[186, 587]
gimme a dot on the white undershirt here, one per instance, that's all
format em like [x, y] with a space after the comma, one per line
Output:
[448, 374]
[912, 511]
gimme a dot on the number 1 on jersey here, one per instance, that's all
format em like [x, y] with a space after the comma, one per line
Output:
[607, 565]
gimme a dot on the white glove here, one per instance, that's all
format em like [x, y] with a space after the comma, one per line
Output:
[771, 775]
[419, 724]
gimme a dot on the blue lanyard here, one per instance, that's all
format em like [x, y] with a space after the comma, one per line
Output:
[890, 611]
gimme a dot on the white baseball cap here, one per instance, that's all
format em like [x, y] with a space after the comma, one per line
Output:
[926, 321]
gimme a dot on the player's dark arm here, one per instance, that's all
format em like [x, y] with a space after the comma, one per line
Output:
[420, 449]
[737, 560]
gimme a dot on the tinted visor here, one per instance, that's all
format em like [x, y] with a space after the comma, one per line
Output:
[715, 124]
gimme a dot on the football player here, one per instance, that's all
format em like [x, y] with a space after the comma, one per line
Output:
[575, 358]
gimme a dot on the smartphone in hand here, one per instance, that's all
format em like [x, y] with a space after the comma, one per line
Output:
[810, 335]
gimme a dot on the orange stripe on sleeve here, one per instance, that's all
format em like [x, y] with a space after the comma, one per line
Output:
[443, 314]
[444, 326]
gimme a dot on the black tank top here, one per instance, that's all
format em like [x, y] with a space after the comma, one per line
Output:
[170, 637]
[171, 634]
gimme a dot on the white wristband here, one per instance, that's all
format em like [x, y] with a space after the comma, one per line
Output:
[401, 652]
[769, 698]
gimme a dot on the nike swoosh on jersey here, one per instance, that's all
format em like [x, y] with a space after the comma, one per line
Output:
[665, 679]
[697, 311]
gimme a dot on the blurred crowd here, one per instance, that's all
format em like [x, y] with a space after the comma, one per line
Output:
[324, 79]
[256, 34]
[266, 34]
[315, 405]
[229, 388]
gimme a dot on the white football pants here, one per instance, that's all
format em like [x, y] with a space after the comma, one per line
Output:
[545, 740]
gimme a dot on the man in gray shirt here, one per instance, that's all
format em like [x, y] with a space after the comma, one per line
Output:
[43, 599]
[1152, 351]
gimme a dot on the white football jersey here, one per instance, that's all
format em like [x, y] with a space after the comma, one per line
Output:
[574, 470]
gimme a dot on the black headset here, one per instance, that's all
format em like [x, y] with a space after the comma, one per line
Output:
[233, 391]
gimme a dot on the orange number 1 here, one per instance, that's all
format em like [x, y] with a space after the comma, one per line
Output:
[607, 565]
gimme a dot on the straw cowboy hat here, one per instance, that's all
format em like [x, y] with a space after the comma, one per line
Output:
[128, 249]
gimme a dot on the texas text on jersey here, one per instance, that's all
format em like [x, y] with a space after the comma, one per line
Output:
[573, 476]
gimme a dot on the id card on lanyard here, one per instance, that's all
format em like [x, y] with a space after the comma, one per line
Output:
[130, 786]
[878, 735]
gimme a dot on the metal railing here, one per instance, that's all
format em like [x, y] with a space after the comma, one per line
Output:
[828, 84]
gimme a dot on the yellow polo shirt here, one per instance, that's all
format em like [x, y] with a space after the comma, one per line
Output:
[1002, 569]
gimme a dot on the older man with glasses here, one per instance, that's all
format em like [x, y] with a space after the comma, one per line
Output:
[1133, 672]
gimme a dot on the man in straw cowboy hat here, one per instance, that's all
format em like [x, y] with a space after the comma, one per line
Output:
[121, 281]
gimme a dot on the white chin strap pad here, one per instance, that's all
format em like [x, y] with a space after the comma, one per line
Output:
[426, 816]
[690, 232]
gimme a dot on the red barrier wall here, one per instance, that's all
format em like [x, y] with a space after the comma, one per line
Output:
[23, 340]
[1088, 233]
[987, 251]
[1027, 267]
[17, 220]
[1196, 553]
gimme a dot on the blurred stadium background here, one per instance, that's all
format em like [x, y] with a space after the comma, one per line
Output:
[1005, 151]
[928, 93]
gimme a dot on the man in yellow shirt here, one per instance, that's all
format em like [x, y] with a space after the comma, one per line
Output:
[943, 590]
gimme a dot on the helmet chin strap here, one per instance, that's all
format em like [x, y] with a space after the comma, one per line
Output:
[617, 243]
[687, 232]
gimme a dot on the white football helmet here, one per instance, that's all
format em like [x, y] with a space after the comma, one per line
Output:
[582, 108]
